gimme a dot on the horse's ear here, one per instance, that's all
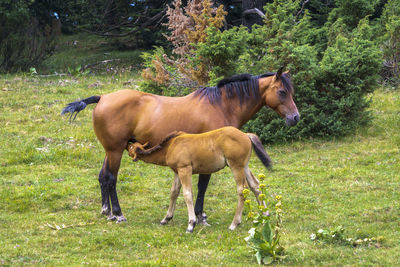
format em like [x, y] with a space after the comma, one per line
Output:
[279, 72]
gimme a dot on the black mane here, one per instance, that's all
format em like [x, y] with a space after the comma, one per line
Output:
[243, 86]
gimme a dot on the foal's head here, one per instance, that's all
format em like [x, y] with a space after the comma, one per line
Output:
[277, 92]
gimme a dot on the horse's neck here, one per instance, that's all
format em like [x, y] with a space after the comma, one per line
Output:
[240, 113]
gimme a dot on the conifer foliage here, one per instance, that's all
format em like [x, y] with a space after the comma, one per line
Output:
[333, 66]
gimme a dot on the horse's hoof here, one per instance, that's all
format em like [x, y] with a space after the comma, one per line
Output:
[202, 220]
[111, 217]
[233, 227]
[189, 231]
[121, 219]
[165, 220]
[105, 211]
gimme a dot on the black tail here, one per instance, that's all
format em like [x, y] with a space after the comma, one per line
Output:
[260, 151]
[77, 106]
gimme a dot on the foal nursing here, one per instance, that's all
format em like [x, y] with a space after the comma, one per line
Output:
[205, 153]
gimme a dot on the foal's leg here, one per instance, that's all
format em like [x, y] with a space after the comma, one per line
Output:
[202, 185]
[239, 175]
[253, 184]
[110, 168]
[185, 175]
[176, 187]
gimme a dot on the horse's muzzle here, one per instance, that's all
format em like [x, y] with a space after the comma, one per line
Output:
[292, 119]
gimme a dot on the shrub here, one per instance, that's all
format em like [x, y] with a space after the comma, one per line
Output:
[24, 41]
[333, 68]
[329, 91]
[390, 41]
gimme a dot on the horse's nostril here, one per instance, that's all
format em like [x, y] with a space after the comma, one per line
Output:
[296, 118]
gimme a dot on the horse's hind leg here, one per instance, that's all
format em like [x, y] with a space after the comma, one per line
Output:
[239, 175]
[110, 172]
[105, 196]
[176, 187]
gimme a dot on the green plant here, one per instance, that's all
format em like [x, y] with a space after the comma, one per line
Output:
[337, 236]
[265, 233]
[78, 71]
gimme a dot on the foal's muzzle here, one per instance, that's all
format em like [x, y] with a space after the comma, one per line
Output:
[292, 119]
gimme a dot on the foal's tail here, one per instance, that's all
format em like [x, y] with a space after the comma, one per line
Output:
[260, 151]
[77, 106]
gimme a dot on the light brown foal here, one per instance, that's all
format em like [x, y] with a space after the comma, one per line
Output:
[209, 152]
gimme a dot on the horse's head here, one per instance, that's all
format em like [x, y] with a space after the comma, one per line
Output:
[277, 92]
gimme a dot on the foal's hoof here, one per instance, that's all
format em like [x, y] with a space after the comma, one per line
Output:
[165, 220]
[121, 219]
[233, 226]
[202, 219]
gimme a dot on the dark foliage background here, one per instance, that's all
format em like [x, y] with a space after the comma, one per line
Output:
[336, 50]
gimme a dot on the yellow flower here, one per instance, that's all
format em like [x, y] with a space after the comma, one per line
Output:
[278, 197]
[278, 205]
[261, 176]
[247, 202]
[261, 197]
[261, 186]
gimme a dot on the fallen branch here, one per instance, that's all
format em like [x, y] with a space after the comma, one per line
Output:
[100, 62]
[63, 226]
[253, 11]
[51, 75]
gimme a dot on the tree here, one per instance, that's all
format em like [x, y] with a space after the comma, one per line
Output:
[26, 35]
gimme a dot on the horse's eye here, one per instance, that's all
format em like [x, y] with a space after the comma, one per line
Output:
[282, 93]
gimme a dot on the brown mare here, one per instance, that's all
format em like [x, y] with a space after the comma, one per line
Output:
[129, 115]
[208, 152]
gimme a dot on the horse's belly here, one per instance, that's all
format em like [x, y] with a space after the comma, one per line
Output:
[208, 165]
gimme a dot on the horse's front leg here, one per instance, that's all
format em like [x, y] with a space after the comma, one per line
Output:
[175, 189]
[202, 185]
[112, 164]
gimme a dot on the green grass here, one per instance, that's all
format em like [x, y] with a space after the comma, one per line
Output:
[49, 168]
[48, 178]
[79, 50]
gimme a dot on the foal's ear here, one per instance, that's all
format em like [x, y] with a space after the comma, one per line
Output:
[279, 72]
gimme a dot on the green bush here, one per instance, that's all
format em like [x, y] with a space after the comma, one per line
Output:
[24, 41]
[330, 85]
[389, 38]
[333, 67]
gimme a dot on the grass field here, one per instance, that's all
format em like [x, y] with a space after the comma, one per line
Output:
[50, 197]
